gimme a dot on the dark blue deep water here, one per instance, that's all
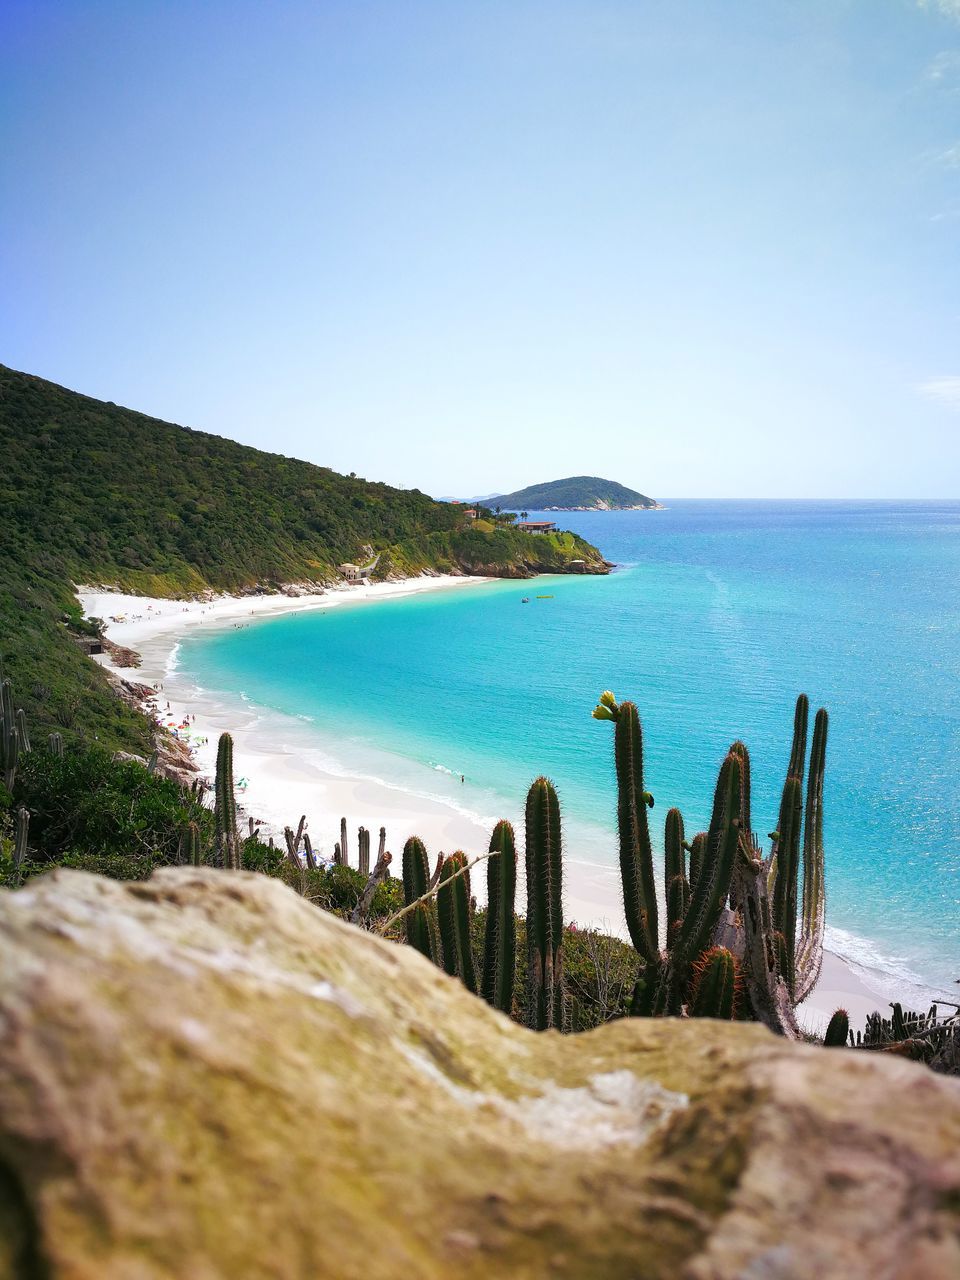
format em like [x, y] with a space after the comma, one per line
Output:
[718, 615]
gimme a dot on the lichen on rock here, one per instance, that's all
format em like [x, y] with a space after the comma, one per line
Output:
[205, 1076]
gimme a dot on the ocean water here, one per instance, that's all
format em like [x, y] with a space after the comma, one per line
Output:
[718, 614]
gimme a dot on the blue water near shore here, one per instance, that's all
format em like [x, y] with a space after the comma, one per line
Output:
[718, 615]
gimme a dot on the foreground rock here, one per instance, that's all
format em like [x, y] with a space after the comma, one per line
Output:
[203, 1076]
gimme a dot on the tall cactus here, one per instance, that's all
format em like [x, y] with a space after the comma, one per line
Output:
[453, 912]
[776, 970]
[23, 734]
[363, 851]
[55, 745]
[344, 847]
[636, 855]
[225, 807]
[500, 936]
[21, 831]
[546, 1001]
[416, 881]
[9, 737]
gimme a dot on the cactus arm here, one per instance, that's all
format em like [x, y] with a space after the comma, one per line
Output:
[784, 872]
[500, 938]
[746, 817]
[695, 849]
[798, 748]
[809, 955]
[708, 897]
[453, 910]
[636, 855]
[675, 881]
[716, 869]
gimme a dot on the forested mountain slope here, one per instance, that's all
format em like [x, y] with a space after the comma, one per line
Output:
[91, 492]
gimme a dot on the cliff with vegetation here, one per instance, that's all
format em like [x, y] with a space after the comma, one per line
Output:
[577, 493]
[94, 493]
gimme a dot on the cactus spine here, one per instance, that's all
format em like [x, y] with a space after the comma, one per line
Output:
[546, 999]
[453, 911]
[500, 938]
[416, 881]
[225, 807]
[715, 984]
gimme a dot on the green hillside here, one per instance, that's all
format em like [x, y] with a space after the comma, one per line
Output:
[94, 493]
[576, 493]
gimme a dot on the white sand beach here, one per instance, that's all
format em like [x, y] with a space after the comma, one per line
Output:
[281, 784]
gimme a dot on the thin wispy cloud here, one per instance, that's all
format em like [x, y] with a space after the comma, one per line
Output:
[949, 8]
[944, 69]
[942, 157]
[945, 391]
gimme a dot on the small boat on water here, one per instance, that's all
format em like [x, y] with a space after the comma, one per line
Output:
[544, 597]
[525, 600]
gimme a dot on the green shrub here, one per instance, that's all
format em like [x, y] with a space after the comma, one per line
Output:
[86, 805]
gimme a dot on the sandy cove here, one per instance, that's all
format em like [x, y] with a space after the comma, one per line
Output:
[283, 785]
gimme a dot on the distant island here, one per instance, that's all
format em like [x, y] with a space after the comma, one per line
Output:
[576, 493]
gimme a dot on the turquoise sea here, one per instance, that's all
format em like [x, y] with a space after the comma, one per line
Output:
[718, 614]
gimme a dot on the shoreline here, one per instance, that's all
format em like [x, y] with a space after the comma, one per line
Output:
[287, 779]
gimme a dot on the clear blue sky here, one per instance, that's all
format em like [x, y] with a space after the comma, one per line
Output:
[707, 248]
